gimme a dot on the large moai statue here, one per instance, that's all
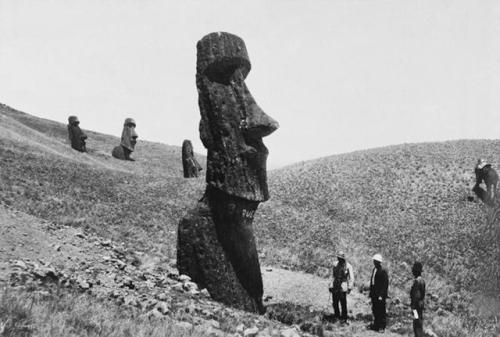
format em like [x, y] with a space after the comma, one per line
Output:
[76, 136]
[128, 141]
[216, 244]
[190, 165]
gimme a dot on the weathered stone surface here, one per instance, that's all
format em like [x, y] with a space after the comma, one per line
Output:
[216, 245]
[76, 136]
[190, 165]
[128, 141]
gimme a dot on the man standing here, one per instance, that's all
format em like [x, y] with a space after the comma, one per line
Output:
[343, 282]
[379, 285]
[417, 295]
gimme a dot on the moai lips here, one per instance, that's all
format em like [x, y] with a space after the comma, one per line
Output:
[231, 128]
[76, 136]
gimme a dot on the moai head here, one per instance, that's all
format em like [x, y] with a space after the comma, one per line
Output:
[232, 124]
[73, 121]
[129, 136]
[187, 149]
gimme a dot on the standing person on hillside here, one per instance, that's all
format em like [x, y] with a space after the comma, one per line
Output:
[343, 282]
[417, 295]
[379, 284]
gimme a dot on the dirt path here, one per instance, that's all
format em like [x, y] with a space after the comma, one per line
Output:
[312, 291]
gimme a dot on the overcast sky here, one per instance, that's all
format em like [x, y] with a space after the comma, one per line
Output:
[337, 75]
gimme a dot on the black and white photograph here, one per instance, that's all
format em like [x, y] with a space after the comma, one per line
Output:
[265, 168]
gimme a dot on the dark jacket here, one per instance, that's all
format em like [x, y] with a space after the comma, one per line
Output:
[417, 293]
[381, 285]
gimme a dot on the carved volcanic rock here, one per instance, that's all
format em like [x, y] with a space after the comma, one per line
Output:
[216, 245]
[201, 256]
[128, 141]
[76, 136]
[190, 165]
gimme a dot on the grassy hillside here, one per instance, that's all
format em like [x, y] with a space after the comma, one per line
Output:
[126, 201]
[407, 201]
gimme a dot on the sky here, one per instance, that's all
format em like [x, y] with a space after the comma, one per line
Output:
[338, 75]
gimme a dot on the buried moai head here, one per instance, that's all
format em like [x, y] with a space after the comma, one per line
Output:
[76, 136]
[128, 141]
[129, 136]
[232, 124]
[190, 165]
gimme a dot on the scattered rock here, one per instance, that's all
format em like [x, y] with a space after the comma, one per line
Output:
[251, 332]
[20, 264]
[289, 333]
[154, 313]
[186, 326]
[162, 297]
[162, 307]
[204, 292]
[240, 328]
[429, 333]
[106, 243]
[184, 278]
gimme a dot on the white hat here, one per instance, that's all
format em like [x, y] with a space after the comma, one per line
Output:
[377, 257]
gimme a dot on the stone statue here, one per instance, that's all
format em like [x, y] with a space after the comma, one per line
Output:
[216, 245]
[76, 136]
[129, 139]
[484, 172]
[190, 165]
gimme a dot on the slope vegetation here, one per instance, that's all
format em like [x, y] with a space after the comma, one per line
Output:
[409, 202]
[43, 176]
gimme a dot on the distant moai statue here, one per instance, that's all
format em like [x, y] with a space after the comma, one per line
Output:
[190, 165]
[484, 172]
[128, 141]
[76, 136]
[216, 245]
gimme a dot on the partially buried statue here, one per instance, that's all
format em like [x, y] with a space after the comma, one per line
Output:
[484, 172]
[190, 165]
[129, 139]
[216, 245]
[76, 136]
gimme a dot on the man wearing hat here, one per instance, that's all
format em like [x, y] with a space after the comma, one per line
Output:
[417, 295]
[343, 282]
[379, 284]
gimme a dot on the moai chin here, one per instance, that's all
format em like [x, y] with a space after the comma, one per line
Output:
[76, 136]
[128, 141]
[190, 165]
[216, 244]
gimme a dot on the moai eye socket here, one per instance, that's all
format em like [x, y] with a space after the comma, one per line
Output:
[222, 71]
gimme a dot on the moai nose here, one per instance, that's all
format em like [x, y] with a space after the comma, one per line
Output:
[133, 134]
[258, 123]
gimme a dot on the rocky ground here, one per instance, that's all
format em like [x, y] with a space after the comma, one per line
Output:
[49, 258]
